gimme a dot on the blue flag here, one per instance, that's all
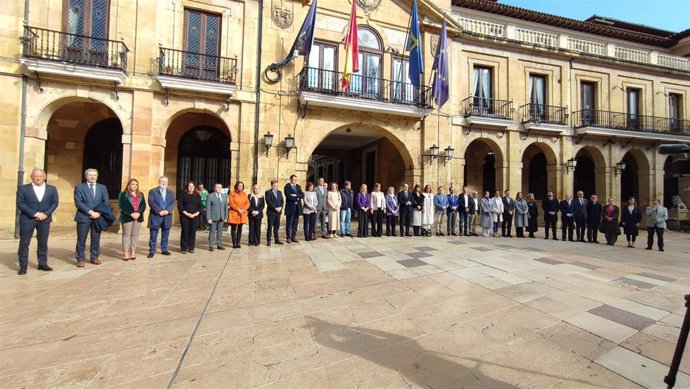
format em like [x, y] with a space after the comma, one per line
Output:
[440, 87]
[304, 40]
[414, 46]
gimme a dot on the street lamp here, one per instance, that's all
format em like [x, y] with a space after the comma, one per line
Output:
[289, 143]
[570, 165]
[268, 141]
[434, 152]
[449, 153]
[620, 166]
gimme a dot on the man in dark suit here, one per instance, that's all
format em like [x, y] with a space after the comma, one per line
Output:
[568, 211]
[550, 206]
[580, 216]
[508, 211]
[464, 204]
[36, 202]
[293, 207]
[321, 190]
[406, 202]
[89, 196]
[217, 215]
[162, 203]
[594, 210]
[274, 208]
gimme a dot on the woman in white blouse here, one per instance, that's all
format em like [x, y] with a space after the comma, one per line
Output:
[378, 209]
[334, 202]
[497, 211]
[309, 211]
[427, 211]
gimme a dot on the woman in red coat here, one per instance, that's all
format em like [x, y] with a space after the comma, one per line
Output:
[237, 217]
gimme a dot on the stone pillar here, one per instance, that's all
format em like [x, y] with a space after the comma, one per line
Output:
[513, 172]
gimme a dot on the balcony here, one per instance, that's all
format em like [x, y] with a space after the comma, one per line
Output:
[194, 72]
[542, 117]
[487, 112]
[321, 87]
[65, 54]
[620, 124]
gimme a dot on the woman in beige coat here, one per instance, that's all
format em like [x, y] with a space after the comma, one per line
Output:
[334, 201]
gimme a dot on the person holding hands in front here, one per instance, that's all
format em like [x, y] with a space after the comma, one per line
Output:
[162, 203]
[217, 214]
[256, 215]
[189, 206]
[238, 205]
[656, 223]
[132, 206]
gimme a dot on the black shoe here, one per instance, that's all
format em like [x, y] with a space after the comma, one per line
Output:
[221, 248]
[150, 255]
[596, 241]
[570, 240]
[191, 251]
[661, 249]
[547, 238]
[279, 242]
[556, 239]
[211, 249]
[21, 272]
[183, 251]
[294, 241]
[166, 252]
[45, 268]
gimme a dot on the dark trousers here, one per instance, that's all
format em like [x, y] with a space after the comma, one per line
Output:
[236, 233]
[83, 230]
[254, 232]
[507, 225]
[362, 227]
[26, 232]
[391, 221]
[580, 226]
[165, 234]
[291, 226]
[273, 226]
[592, 232]
[464, 218]
[550, 224]
[450, 224]
[520, 232]
[659, 237]
[405, 222]
[309, 225]
[188, 235]
[377, 223]
[567, 225]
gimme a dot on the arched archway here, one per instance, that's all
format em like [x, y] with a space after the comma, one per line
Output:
[634, 178]
[590, 172]
[483, 166]
[103, 151]
[539, 170]
[198, 149]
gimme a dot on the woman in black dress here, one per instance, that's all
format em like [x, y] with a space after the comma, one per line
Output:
[630, 220]
[533, 212]
[189, 206]
[609, 223]
[256, 214]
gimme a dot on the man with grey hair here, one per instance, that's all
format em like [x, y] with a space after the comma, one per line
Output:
[161, 203]
[36, 202]
[91, 199]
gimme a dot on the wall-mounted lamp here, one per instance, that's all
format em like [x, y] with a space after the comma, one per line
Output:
[434, 152]
[289, 143]
[449, 153]
[268, 141]
[570, 165]
[620, 166]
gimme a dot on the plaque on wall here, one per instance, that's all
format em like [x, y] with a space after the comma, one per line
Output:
[282, 13]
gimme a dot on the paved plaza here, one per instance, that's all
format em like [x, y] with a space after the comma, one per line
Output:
[397, 313]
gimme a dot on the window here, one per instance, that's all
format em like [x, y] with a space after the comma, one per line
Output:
[202, 45]
[482, 90]
[674, 111]
[537, 96]
[402, 88]
[588, 103]
[322, 67]
[367, 82]
[633, 102]
[87, 23]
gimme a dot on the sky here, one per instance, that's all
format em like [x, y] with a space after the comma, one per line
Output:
[671, 15]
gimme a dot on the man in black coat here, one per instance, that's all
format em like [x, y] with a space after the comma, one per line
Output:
[568, 210]
[36, 202]
[594, 210]
[274, 208]
[293, 207]
[550, 206]
[407, 203]
[581, 204]
[508, 211]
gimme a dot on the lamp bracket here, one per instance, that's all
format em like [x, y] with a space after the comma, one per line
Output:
[115, 91]
[302, 109]
[38, 83]
[166, 97]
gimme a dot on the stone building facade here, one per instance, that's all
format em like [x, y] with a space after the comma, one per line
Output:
[179, 88]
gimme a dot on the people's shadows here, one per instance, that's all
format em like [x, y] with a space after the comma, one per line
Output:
[401, 354]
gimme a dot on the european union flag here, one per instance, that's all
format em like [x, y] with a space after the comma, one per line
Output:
[440, 87]
[305, 38]
[414, 46]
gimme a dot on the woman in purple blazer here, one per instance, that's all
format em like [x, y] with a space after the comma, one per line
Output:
[363, 210]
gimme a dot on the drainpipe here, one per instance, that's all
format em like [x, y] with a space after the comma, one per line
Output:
[22, 129]
[255, 171]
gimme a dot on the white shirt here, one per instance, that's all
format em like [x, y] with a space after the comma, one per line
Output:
[378, 201]
[39, 190]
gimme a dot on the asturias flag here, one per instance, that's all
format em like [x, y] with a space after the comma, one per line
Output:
[305, 38]
[440, 86]
[351, 49]
[414, 46]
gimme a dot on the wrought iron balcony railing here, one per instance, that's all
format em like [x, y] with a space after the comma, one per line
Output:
[74, 49]
[632, 122]
[488, 108]
[362, 87]
[542, 113]
[195, 66]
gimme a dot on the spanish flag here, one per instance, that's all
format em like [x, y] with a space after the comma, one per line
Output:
[351, 49]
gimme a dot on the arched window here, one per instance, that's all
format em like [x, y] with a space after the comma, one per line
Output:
[204, 156]
[367, 81]
[103, 151]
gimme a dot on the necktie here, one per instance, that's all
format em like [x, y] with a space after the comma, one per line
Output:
[163, 195]
[275, 194]
[580, 201]
[92, 187]
[218, 195]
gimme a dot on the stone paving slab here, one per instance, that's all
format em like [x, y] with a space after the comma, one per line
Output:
[441, 312]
